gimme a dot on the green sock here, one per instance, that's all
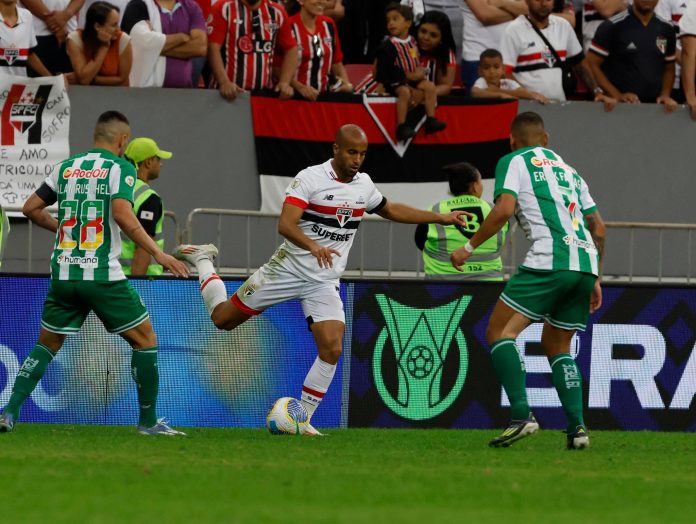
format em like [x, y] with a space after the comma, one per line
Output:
[33, 368]
[568, 382]
[146, 377]
[510, 370]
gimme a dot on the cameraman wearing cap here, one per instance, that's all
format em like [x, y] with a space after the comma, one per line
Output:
[145, 155]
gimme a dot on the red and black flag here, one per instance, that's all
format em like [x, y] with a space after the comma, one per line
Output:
[293, 134]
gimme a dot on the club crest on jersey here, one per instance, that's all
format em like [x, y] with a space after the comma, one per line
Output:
[661, 43]
[343, 215]
[548, 58]
[248, 289]
[10, 54]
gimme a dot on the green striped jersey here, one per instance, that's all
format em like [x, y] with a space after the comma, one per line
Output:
[552, 200]
[88, 241]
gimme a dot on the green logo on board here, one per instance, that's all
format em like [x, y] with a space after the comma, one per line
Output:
[421, 339]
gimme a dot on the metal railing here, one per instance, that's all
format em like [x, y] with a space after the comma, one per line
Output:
[170, 215]
[661, 228]
[661, 253]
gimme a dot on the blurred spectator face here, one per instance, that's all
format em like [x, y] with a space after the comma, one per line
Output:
[397, 25]
[107, 32]
[540, 9]
[429, 37]
[314, 7]
[644, 7]
[491, 70]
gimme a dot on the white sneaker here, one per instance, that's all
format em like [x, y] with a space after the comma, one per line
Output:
[161, 428]
[191, 253]
[311, 431]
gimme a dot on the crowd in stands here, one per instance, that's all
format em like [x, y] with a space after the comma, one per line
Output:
[544, 50]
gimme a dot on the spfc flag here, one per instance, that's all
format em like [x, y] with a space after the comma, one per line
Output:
[293, 134]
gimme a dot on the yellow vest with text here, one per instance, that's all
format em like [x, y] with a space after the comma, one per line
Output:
[485, 262]
[141, 192]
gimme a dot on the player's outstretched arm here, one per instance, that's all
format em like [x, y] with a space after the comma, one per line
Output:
[410, 215]
[123, 215]
[35, 210]
[288, 226]
[496, 219]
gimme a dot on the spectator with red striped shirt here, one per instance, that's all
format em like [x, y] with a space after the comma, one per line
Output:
[397, 67]
[243, 37]
[319, 50]
[436, 52]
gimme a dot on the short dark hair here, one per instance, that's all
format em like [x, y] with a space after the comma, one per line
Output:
[461, 176]
[106, 128]
[524, 121]
[109, 116]
[403, 10]
[490, 53]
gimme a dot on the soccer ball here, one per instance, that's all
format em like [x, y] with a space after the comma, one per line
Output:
[287, 417]
[420, 362]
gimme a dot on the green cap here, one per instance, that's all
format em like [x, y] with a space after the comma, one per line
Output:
[142, 148]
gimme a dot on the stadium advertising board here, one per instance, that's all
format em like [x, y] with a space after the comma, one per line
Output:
[207, 377]
[419, 359]
[415, 357]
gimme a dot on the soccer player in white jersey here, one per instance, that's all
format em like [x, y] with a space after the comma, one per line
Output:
[94, 192]
[322, 211]
[558, 281]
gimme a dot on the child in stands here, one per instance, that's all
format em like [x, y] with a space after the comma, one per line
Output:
[397, 67]
[491, 83]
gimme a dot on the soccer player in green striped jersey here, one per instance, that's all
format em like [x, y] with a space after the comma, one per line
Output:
[558, 281]
[94, 192]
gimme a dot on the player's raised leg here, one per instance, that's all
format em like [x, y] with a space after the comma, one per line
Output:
[224, 313]
[143, 341]
[503, 328]
[29, 374]
[328, 335]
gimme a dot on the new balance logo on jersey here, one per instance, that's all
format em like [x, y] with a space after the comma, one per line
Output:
[328, 197]
[343, 215]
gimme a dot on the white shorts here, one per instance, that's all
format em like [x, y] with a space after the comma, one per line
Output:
[271, 285]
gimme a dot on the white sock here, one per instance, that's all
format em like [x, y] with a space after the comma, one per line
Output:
[316, 384]
[212, 288]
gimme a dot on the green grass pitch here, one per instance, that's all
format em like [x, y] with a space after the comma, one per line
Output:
[93, 474]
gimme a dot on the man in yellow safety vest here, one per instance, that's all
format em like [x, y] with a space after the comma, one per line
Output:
[146, 156]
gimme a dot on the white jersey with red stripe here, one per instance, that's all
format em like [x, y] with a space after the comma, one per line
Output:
[527, 56]
[332, 213]
[16, 43]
